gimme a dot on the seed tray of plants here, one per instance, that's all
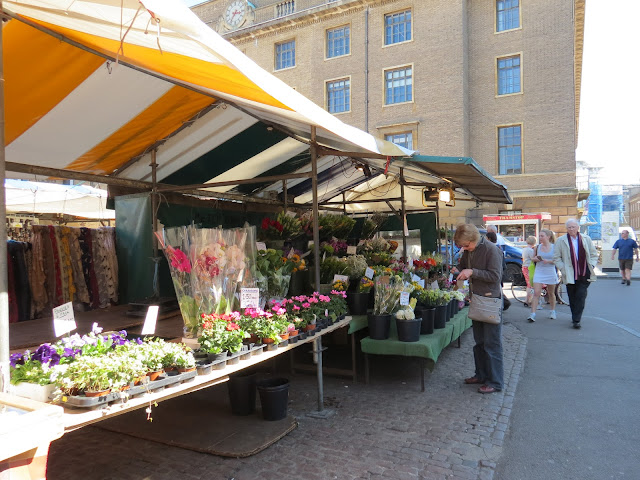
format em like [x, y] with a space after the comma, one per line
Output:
[163, 381]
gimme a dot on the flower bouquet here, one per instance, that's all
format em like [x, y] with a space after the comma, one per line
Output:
[286, 226]
[376, 251]
[387, 294]
[365, 285]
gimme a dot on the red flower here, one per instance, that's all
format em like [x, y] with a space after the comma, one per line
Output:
[265, 223]
[232, 326]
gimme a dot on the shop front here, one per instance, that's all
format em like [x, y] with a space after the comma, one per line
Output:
[518, 227]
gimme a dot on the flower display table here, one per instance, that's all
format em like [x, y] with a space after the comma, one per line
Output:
[427, 349]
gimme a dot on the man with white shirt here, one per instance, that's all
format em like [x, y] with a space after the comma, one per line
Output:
[576, 256]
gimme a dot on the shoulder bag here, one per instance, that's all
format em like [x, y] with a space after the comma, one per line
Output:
[484, 309]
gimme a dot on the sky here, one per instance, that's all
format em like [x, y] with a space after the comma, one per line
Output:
[608, 108]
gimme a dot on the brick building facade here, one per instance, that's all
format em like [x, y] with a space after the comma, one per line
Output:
[498, 81]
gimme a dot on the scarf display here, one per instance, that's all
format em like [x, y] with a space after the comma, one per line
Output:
[579, 266]
[61, 264]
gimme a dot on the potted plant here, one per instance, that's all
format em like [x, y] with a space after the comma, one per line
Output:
[408, 325]
[387, 295]
[358, 301]
[442, 301]
[429, 299]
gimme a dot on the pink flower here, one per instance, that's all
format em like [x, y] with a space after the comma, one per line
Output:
[296, 308]
[306, 305]
[281, 311]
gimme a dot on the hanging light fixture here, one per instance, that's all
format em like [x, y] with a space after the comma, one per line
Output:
[446, 195]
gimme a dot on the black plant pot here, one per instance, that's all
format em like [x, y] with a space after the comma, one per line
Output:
[456, 307]
[428, 316]
[358, 303]
[379, 326]
[242, 393]
[440, 318]
[409, 330]
[449, 310]
[274, 396]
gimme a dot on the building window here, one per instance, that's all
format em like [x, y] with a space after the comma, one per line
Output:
[338, 41]
[285, 8]
[404, 139]
[398, 85]
[509, 75]
[509, 150]
[507, 15]
[397, 27]
[286, 55]
[339, 95]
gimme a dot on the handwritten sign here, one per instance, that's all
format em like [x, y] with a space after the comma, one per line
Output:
[261, 246]
[249, 297]
[341, 278]
[368, 272]
[351, 250]
[404, 298]
[64, 319]
[149, 327]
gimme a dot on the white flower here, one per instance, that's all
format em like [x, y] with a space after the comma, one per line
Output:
[96, 329]
[409, 315]
[400, 315]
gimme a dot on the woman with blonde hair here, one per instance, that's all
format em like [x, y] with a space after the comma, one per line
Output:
[527, 255]
[481, 264]
[545, 273]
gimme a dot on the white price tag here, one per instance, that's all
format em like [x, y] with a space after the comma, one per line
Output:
[291, 214]
[368, 272]
[342, 278]
[249, 297]
[149, 327]
[415, 278]
[404, 298]
[261, 246]
[351, 250]
[326, 312]
[421, 282]
[64, 319]
[450, 277]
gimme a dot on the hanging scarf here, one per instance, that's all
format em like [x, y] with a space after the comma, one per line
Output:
[579, 270]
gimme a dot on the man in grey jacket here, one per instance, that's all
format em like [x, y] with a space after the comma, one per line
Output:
[576, 257]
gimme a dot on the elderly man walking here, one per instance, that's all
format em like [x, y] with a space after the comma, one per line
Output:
[626, 248]
[576, 256]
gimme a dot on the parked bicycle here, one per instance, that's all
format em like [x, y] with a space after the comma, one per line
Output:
[519, 290]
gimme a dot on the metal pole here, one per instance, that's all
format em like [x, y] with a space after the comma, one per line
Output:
[284, 194]
[404, 216]
[344, 203]
[438, 227]
[4, 295]
[317, 343]
[154, 222]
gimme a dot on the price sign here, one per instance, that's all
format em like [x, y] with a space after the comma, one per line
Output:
[149, 327]
[249, 297]
[450, 277]
[368, 272]
[261, 246]
[342, 278]
[64, 319]
[421, 282]
[415, 278]
[404, 298]
[351, 250]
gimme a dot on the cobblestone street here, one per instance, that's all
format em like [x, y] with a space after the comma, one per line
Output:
[387, 429]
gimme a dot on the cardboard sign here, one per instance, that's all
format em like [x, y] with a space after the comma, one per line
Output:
[261, 246]
[249, 297]
[404, 298]
[64, 319]
[149, 327]
[342, 278]
[351, 250]
[368, 273]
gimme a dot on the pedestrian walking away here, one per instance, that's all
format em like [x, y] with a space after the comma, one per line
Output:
[626, 248]
[481, 262]
[545, 274]
[576, 257]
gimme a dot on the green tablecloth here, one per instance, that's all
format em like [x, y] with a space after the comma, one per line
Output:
[358, 322]
[428, 347]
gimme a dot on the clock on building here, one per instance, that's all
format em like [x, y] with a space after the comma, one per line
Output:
[236, 14]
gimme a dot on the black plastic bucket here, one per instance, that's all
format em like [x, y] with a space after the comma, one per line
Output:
[428, 315]
[409, 330]
[440, 318]
[274, 397]
[358, 303]
[242, 393]
[379, 326]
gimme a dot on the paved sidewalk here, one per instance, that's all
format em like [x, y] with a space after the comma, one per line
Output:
[385, 430]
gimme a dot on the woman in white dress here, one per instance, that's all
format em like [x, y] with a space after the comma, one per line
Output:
[545, 273]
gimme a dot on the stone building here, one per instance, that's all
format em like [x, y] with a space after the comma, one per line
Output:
[495, 80]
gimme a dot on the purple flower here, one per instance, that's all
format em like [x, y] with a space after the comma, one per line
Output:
[46, 354]
[16, 359]
[71, 352]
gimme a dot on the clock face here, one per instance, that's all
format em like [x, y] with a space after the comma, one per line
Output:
[236, 13]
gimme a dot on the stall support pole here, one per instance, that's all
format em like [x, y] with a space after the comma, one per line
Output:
[4, 284]
[284, 194]
[405, 229]
[317, 343]
[438, 227]
[154, 221]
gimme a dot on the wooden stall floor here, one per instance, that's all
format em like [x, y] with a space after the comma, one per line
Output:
[202, 422]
